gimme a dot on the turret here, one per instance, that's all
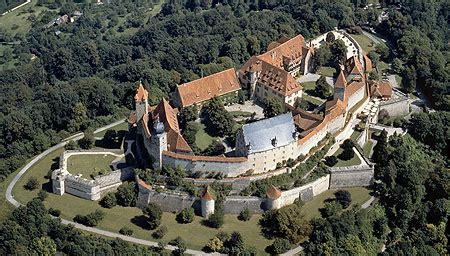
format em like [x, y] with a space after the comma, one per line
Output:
[273, 197]
[253, 75]
[207, 202]
[141, 100]
[158, 143]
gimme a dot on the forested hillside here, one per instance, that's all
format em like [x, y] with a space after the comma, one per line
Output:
[6, 5]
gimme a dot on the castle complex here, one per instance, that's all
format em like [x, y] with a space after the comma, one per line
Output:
[261, 145]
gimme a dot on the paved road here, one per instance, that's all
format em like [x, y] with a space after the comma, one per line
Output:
[10, 197]
[17, 7]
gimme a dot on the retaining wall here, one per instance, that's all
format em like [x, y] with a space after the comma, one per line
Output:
[352, 176]
[305, 192]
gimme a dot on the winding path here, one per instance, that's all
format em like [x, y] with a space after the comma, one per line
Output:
[78, 136]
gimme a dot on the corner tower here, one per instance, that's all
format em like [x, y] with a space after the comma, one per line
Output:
[207, 202]
[158, 143]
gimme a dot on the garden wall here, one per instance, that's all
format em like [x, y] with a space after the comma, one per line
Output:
[305, 192]
[351, 176]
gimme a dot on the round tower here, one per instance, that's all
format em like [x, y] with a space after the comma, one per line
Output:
[207, 202]
[273, 197]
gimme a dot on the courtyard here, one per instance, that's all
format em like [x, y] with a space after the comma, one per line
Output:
[90, 165]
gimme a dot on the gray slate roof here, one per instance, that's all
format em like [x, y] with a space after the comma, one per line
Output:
[260, 135]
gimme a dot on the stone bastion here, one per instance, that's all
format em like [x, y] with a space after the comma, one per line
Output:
[65, 182]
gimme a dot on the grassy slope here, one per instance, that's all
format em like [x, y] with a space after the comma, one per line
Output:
[327, 71]
[311, 208]
[341, 163]
[202, 139]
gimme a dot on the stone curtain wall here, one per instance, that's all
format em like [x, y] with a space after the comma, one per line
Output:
[115, 177]
[235, 204]
[230, 169]
[305, 192]
[396, 107]
[353, 176]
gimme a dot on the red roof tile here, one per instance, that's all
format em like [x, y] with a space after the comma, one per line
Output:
[273, 192]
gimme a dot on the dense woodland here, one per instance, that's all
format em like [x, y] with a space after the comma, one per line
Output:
[86, 77]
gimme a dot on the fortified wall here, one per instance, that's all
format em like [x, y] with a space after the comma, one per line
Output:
[65, 182]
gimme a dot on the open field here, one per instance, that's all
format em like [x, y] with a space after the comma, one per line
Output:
[88, 164]
[327, 71]
[311, 208]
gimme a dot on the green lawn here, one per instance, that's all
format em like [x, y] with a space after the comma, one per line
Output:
[20, 18]
[341, 163]
[365, 42]
[355, 136]
[367, 147]
[88, 164]
[235, 114]
[327, 71]
[309, 85]
[383, 66]
[312, 100]
[118, 217]
[202, 139]
[120, 127]
[311, 208]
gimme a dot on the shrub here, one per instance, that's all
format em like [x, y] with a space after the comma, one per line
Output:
[108, 201]
[331, 160]
[160, 232]
[186, 216]
[344, 198]
[331, 209]
[154, 214]
[126, 231]
[279, 246]
[88, 141]
[54, 212]
[90, 220]
[32, 183]
[214, 245]
[245, 215]
[42, 195]
[126, 194]
[215, 220]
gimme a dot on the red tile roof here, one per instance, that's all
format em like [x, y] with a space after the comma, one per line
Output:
[207, 194]
[353, 66]
[195, 158]
[289, 50]
[273, 192]
[141, 93]
[341, 82]
[382, 89]
[368, 63]
[208, 87]
[177, 143]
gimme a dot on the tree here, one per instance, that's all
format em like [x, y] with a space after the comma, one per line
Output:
[286, 222]
[126, 194]
[331, 208]
[279, 246]
[431, 129]
[180, 244]
[331, 160]
[322, 89]
[235, 244]
[380, 151]
[215, 220]
[338, 51]
[126, 231]
[321, 57]
[374, 57]
[32, 183]
[216, 148]
[245, 215]
[397, 66]
[330, 37]
[220, 120]
[344, 198]
[79, 116]
[43, 246]
[87, 142]
[273, 107]
[109, 200]
[42, 195]
[186, 216]
[382, 50]
[153, 213]
[214, 245]
[347, 152]
[188, 114]
[160, 232]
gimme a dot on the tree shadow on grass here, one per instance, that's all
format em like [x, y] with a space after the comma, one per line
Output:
[141, 221]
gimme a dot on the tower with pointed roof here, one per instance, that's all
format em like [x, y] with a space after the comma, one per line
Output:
[273, 197]
[207, 202]
[158, 143]
[141, 100]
